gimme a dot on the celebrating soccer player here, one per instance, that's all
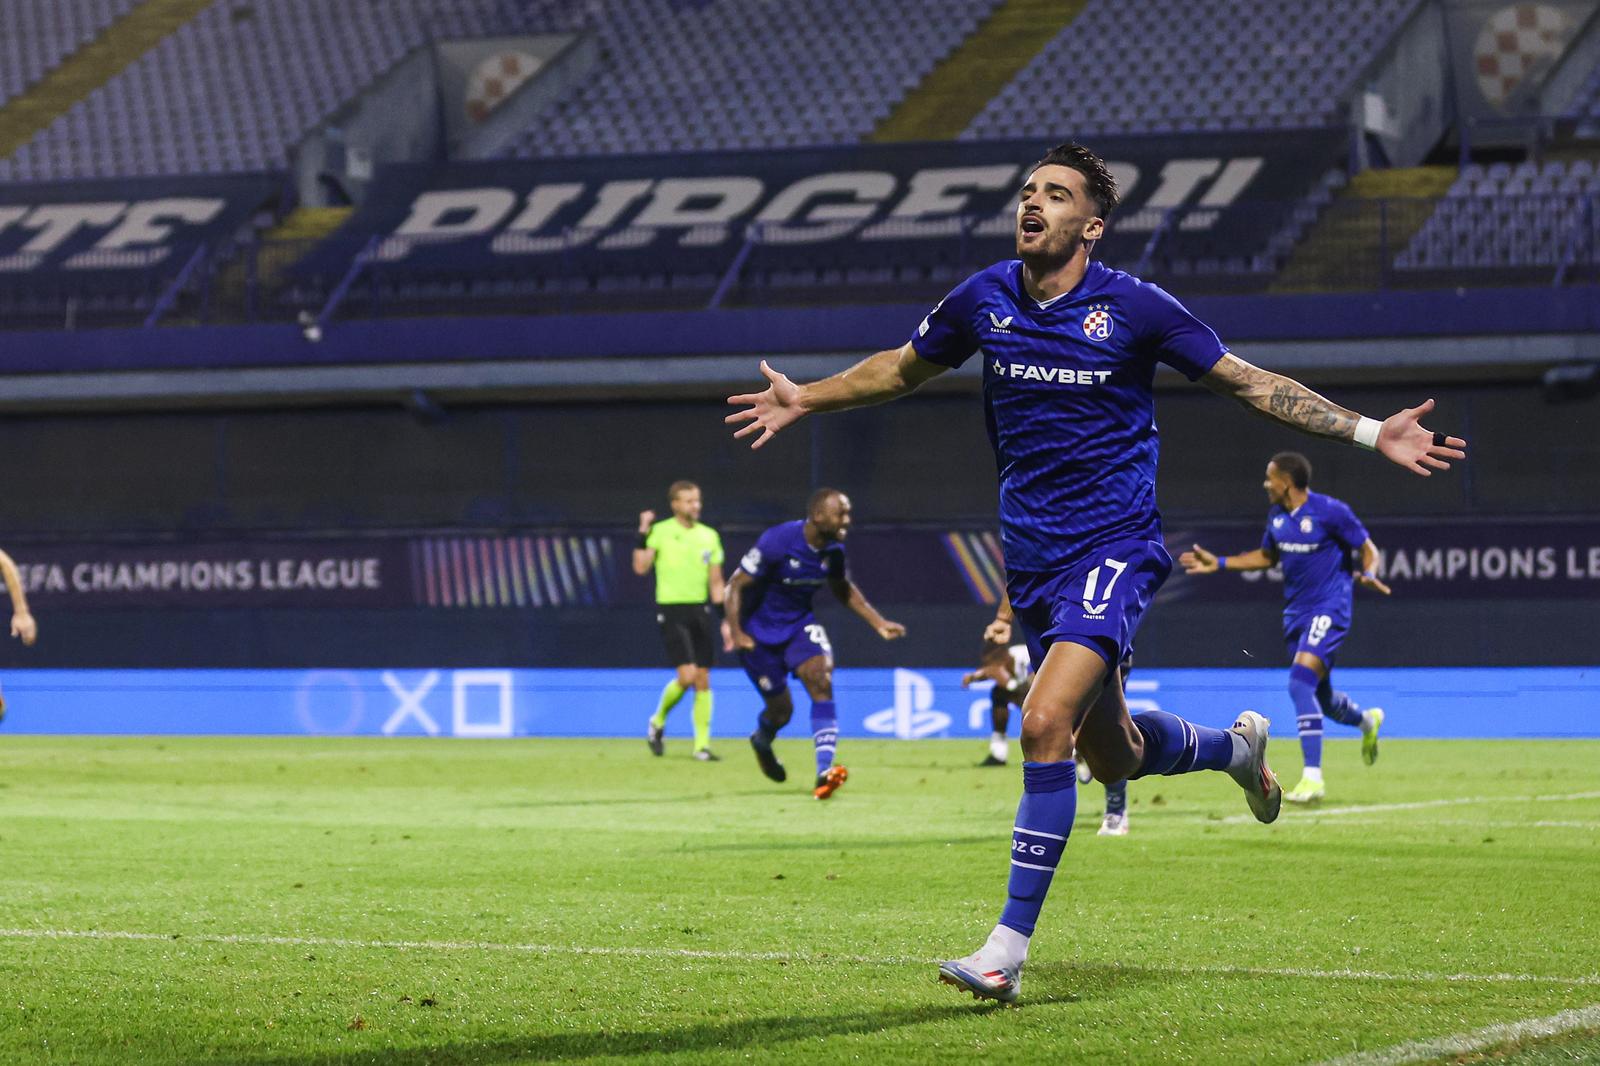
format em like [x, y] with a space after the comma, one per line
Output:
[1070, 349]
[687, 557]
[1314, 537]
[769, 615]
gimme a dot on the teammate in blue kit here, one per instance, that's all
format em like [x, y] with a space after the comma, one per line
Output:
[1313, 537]
[775, 633]
[1069, 353]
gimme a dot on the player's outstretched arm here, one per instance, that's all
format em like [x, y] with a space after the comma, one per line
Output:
[23, 627]
[850, 594]
[1368, 574]
[1400, 437]
[876, 379]
[1199, 561]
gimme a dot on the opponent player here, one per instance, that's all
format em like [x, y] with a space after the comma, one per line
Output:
[1070, 349]
[1314, 537]
[23, 627]
[1010, 668]
[687, 557]
[769, 615]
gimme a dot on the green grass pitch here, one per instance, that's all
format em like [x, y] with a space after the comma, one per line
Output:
[199, 900]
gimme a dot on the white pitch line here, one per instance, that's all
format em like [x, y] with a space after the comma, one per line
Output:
[1477, 1040]
[1418, 805]
[271, 940]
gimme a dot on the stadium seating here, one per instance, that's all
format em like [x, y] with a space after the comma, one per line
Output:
[746, 74]
[1585, 106]
[1124, 68]
[237, 86]
[1527, 215]
[39, 34]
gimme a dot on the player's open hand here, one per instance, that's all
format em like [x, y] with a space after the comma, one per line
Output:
[1403, 441]
[998, 631]
[770, 411]
[24, 628]
[646, 520]
[1373, 582]
[743, 641]
[891, 630]
[1198, 561]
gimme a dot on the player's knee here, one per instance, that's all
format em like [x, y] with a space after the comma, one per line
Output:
[1043, 732]
[818, 682]
[702, 679]
[686, 675]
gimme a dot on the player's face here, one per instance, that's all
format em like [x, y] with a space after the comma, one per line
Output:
[1055, 215]
[686, 505]
[833, 519]
[1277, 484]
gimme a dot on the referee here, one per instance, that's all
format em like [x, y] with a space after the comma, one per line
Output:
[687, 556]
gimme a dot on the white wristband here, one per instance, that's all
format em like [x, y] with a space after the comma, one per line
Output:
[1367, 433]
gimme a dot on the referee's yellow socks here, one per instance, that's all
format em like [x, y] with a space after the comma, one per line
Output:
[669, 699]
[702, 720]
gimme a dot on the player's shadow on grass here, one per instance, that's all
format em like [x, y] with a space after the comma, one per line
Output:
[629, 1043]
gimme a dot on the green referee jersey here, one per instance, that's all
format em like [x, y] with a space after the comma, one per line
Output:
[683, 560]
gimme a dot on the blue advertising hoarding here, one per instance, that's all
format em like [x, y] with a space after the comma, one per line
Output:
[902, 703]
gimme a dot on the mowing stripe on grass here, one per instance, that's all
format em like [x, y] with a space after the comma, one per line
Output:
[270, 940]
[1477, 1040]
[1459, 801]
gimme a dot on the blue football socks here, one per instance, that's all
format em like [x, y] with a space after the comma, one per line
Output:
[1307, 712]
[1044, 821]
[1173, 745]
[824, 732]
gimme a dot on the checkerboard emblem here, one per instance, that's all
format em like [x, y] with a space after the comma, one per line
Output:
[1097, 324]
[1516, 46]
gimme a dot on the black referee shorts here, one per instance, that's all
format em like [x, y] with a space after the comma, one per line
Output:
[687, 633]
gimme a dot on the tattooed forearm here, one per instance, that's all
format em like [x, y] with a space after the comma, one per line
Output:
[1281, 399]
[1292, 403]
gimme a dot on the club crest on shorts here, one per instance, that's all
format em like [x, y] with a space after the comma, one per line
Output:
[1097, 324]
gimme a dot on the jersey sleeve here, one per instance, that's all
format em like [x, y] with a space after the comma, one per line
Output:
[945, 336]
[759, 559]
[1176, 337]
[1347, 528]
[716, 557]
[1268, 543]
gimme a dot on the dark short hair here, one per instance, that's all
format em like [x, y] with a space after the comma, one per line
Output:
[819, 499]
[1102, 186]
[1294, 466]
[681, 486]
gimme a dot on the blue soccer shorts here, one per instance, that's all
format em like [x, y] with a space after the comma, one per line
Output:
[769, 665]
[1096, 600]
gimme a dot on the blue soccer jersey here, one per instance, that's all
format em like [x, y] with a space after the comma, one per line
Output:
[788, 572]
[1069, 401]
[1313, 544]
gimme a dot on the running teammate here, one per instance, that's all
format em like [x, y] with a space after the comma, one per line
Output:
[23, 627]
[1010, 668]
[1313, 537]
[1070, 349]
[687, 557]
[769, 615]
